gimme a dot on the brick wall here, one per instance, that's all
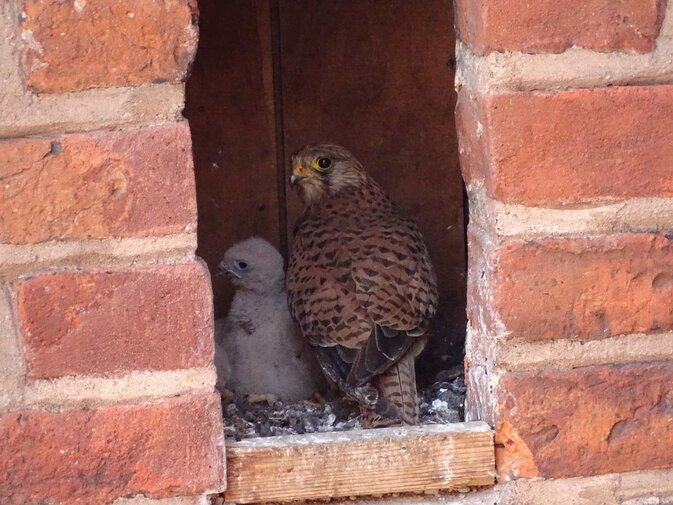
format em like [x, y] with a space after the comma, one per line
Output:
[106, 373]
[565, 118]
[106, 376]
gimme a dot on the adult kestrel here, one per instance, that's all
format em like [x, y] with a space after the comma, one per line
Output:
[360, 284]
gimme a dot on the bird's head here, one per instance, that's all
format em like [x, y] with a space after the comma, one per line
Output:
[323, 170]
[254, 264]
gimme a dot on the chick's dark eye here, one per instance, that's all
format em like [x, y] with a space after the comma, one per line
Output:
[324, 163]
[241, 265]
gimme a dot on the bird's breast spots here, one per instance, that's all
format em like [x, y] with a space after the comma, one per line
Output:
[386, 263]
[343, 279]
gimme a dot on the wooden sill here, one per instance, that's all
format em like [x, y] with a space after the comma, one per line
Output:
[411, 459]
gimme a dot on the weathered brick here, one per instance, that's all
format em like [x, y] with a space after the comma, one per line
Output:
[549, 26]
[585, 421]
[588, 288]
[75, 45]
[92, 323]
[83, 457]
[569, 147]
[126, 183]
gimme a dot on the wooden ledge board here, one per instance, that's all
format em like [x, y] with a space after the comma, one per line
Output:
[409, 459]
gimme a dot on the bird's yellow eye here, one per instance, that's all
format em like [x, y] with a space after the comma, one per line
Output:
[321, 164]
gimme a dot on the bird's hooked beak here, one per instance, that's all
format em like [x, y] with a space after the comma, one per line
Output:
[299, 173]
[223, 268]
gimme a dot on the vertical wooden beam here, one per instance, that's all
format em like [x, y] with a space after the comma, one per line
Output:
[230, 107]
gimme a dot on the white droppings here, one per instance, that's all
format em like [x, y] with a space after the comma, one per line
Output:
[79, 5]
[439, 404]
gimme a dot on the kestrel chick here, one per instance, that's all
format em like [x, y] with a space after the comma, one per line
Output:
[360, 284]
[264, 349]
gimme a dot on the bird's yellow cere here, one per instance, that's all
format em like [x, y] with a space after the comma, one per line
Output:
[301, 171]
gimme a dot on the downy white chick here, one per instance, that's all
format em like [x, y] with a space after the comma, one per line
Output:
[264, 349]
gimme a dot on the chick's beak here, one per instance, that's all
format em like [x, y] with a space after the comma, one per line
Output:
[298, 173]
[224, 269]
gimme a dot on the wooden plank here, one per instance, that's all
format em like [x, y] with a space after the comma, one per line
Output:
[406, 459]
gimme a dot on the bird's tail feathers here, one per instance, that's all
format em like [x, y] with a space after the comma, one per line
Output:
[397, 403]
[383, 347]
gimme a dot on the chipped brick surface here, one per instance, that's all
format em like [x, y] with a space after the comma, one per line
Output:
[75, 45]
[555, 149]
[586, 421]
[127, 183]
[85, 457]
[107, 323]
[550, 26]
[588, 288]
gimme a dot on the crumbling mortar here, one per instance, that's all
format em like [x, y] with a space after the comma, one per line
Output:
[106, 265]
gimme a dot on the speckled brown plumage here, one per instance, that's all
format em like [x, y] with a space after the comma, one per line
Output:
[360, 284]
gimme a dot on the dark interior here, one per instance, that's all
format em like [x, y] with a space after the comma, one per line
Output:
[373, 75]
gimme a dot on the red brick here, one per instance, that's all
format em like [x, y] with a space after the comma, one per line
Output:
[569, 147]
[589, 288]
[71, 46]
[127, 183]
[85, 457]
[550, 26]
[81, 323]
[586, 421]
